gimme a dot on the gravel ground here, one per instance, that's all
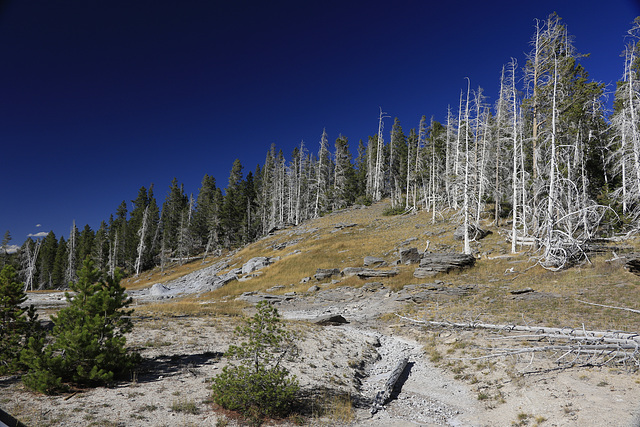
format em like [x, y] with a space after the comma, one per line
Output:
[182, 354]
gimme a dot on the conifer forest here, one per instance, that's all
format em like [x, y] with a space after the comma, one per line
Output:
[546, 162]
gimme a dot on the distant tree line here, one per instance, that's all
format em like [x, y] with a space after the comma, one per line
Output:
[545, 158]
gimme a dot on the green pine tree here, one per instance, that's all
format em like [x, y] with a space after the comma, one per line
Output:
[17, 323]
[259, 385]
[89, 346]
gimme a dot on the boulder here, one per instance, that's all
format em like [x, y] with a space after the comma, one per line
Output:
[424, 273]
[475, 233]
[158, 290]
[373, 286]
[409, 256]
[371, 261]
[352, 271]
[325, 273]
[342, 225]
[330, 320]
[444, 262]
[521, 291]
[256, 263]
[633, 264]
[369, 272]
[255, 298]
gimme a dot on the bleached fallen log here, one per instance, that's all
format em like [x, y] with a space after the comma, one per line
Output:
[590, 347]
[383, 395]
[610, 306]
[534, 329]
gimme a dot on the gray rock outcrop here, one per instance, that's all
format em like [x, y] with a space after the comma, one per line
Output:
[325, 273]
[369, 272]
[371, 261]
[434, 263]
[256, 263]
[475, 233]
[409, 256]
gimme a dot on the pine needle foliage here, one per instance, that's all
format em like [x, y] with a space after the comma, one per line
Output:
[259, 385]
[17, 323]
[89, 346]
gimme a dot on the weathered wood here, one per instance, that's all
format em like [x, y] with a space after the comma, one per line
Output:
[610, 306]
[532, 329]
[383, 396]
[596, 348]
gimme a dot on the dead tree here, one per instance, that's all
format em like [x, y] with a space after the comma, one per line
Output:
[30, 263]
[384, 395]
[142, 233]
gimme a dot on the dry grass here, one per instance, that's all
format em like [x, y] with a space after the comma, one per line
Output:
[190, 307]
[320, 244]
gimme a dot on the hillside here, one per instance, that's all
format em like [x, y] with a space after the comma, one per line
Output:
[345, 238]
[455, 377]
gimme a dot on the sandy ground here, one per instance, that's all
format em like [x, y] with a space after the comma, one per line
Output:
[348, 362]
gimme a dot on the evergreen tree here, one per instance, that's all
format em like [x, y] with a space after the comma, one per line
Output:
[100, 253]
[251, 222]
[396, 181]
[85, 242]
[58, 276]
[233, 209]
[205, 216]
[5, 247]
[46, 261]
[17, 323]
[361, 171]
[89, 346]
[173, 210]
[344, 178]
[259, 385]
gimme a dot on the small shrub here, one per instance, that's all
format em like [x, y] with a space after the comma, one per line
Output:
[184, 406]
[391, 210]
[259, 386]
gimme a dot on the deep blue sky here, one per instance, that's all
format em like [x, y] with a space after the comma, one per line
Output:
[100, 98]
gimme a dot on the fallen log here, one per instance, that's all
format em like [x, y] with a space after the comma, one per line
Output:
[383, 396]
[534, 329]
[596, 348]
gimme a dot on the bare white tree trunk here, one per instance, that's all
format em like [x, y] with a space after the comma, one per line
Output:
[142, 233]
[551, 202]
[456, 161]
[70, 275]
[113, 255]
[465, 207]
[378, 176]
[481, 172]
[448, 164]
[31, 259]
